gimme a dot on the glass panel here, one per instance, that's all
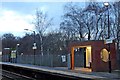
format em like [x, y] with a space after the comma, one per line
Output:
[104, 55]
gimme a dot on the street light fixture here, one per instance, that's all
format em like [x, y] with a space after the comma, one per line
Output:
[109, 62]
[106, 3]
[34, 44]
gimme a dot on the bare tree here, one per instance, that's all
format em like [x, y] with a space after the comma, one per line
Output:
[118, 33]
[91, 22]
[96, 20]
[116, 27]
[72, 22]
[84, 22]
[41, 22]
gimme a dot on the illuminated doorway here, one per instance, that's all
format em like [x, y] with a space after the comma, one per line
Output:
[82, 56]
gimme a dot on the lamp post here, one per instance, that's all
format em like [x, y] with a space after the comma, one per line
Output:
[17, 52]
[34, 44]
[109, 60]
[107, 5]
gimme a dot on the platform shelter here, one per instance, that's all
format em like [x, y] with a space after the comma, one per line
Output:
[94, 55]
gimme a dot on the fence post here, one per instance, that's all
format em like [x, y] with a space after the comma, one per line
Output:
[68, 61]
[51, 56]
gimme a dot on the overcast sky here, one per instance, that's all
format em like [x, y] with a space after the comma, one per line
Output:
[17, 16]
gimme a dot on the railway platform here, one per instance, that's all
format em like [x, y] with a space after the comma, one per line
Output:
[60, 73]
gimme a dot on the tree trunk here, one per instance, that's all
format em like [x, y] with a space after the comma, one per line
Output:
[41, 44]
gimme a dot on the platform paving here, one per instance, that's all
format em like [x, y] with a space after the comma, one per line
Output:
[115, 75]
